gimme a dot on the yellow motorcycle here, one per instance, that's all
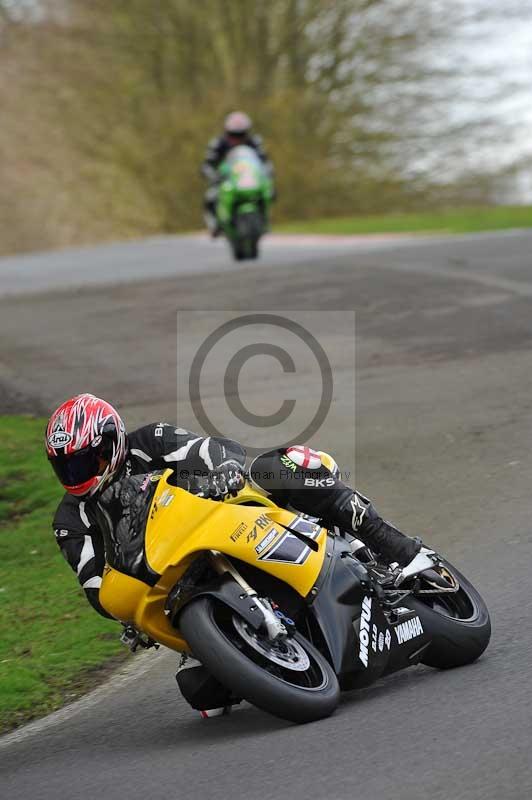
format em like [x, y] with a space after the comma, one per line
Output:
[281, 611]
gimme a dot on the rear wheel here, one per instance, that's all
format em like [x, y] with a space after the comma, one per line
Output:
[288, 678]
[458, 622]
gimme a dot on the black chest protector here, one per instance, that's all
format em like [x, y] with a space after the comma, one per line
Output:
[122, 512]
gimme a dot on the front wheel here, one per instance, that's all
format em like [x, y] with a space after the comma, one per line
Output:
[459, 623]
[249, 227]
[245, 249]
[288, 678]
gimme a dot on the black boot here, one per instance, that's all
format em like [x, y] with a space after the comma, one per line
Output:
[201, 690]
[356, 514]
[212, 224]
[392, 544]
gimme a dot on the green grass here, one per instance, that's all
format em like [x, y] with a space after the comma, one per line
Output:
[457, 220]
[52, 643]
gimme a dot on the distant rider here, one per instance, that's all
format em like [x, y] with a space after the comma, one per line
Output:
[237, 131]
[89, 449]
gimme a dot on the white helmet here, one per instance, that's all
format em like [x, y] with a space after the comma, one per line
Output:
[237, 123]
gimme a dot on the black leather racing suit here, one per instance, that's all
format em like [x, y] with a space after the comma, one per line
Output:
[153, 447]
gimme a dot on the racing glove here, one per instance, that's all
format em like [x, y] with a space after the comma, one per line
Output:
[225, 480]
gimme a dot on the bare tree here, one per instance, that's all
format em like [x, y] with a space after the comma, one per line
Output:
[357, 100]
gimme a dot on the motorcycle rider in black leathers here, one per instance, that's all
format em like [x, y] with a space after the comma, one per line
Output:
[237, 131]
[89, 450]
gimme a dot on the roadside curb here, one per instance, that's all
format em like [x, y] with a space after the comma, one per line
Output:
[137, 666]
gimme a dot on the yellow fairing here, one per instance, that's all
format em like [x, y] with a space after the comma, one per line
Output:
[181, 526]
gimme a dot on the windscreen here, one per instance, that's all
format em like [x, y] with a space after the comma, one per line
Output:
[245, 166]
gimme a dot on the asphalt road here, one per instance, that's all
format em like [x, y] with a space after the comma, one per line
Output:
[443, 445]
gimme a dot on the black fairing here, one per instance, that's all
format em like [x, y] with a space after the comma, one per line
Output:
[361, 639]
[122, 512]
[338, 601]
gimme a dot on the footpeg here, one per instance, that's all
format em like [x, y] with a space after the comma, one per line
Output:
[425, 559]
[134, 639]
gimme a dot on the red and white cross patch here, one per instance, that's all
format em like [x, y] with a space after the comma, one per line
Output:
[304, 457]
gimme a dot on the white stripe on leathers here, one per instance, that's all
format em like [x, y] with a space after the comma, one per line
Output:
[140, 454]
[93, 583]
[83, 514]
[182, 452]
[87, 553]
[204, 453]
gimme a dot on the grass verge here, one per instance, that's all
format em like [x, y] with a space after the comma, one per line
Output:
[53, 646]
[457, 220]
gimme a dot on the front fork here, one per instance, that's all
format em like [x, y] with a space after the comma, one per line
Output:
[273, 620]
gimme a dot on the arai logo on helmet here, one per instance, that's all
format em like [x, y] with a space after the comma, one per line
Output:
[59, 439]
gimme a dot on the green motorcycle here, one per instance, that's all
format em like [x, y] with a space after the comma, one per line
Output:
[244, 199]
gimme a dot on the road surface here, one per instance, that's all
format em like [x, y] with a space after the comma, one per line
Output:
[443, 445]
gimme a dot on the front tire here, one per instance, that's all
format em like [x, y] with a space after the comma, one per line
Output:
[459, 624]
[238, 657]
[248, 230]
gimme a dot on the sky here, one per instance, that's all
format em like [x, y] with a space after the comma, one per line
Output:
[503, 49]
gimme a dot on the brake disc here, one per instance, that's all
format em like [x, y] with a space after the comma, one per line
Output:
[285, 652]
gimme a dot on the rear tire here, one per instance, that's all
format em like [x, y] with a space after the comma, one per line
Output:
[459, 624]
[214, 638]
